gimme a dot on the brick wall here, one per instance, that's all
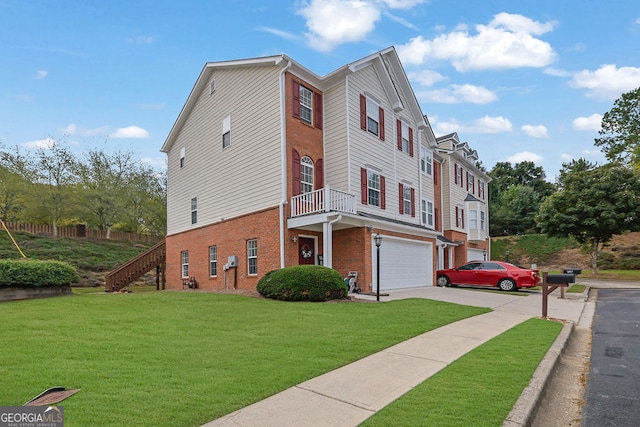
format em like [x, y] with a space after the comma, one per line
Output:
[230, 237]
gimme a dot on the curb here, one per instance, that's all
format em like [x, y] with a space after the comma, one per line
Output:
[527, 404]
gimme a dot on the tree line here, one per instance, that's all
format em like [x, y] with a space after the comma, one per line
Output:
[103, 190]
[588, 202]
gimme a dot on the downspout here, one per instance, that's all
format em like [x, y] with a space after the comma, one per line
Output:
[327, 241]
[283, 161]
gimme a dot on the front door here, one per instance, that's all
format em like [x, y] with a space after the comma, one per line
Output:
[306, 252]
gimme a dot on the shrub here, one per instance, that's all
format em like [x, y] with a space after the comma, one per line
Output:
[303, 283]
[36, 273]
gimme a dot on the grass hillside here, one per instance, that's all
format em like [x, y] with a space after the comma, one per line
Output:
[92, 258]
[551, 253]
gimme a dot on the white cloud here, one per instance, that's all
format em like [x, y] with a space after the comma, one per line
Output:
[402, 4]
[458, 94]
[557, 72]
[41, 74]
[130, 132]
[400, 21]
[525, 156]
[45, 143]
[590, 123]
[485, 125]
[506, 42]
[283, 34]
[608, 81]
[74, 129]
[333, 22]
[538, 131]
[426, 78]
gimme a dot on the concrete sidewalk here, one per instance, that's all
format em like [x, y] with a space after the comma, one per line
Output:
[349, 395]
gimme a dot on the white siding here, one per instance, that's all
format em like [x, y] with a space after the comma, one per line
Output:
[335, 138]
[368, 150]
[241, 178]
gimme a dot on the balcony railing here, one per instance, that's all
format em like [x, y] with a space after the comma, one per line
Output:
[323, 200]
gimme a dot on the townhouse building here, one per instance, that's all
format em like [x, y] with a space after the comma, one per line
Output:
[271, 165]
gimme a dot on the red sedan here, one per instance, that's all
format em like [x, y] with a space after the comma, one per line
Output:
[504, 276]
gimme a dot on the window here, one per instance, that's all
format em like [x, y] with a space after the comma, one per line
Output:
[305, 104]
[371, 117]
[252, 256]
[407, 200]
[306, 175]
[212, 87]
[405, 137]
[194, 210]
[459, 217]
[471, 183]
[182, 153]
[427, 213]
[372, 188]
[481, 189]
[458, 178]
[426, 161]
[213, 261]
[184, 262]
[481, 220]
[226, 132]
[473, 219]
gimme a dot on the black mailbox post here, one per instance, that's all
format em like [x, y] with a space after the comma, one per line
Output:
[549, 284]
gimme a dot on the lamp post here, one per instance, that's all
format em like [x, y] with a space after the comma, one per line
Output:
[484, 254]
[506, 254]
[378, 240]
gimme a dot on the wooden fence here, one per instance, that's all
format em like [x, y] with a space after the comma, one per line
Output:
[81, 232]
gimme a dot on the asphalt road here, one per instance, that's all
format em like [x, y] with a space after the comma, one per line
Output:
[613, 389]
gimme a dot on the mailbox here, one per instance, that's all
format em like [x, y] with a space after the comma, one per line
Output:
[572, 271]
[558, 279]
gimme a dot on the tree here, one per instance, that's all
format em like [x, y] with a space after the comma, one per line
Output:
[52, 181]
[516, 193]
[12, 185]
[620, 130]
[592, 205]
[104, 178]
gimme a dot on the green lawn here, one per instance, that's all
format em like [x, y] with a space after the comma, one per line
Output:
[185, 358]
[480, 388]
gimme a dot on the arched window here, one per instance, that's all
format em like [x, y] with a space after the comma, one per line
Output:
[306, 175]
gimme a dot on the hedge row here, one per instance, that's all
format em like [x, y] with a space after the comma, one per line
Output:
[303, 283]
[36, 273]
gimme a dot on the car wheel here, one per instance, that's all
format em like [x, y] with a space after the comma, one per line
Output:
[507, 285]
[443, 281]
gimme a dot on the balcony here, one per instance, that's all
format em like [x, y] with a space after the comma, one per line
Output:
[323, 200]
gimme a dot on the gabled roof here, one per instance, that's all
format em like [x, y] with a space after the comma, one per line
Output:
[380, 61]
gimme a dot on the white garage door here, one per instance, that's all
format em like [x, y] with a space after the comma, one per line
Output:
[403, 264]
[475, 255]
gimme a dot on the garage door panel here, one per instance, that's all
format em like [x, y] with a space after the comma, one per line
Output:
[404, 263]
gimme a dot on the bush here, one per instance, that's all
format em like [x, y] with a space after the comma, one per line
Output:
[303, 283]
[36, 273]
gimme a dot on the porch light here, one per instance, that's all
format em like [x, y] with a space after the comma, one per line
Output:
[294, 239]
[378, 240]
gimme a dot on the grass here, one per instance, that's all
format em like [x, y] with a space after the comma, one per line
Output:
[501, 369]
[87, 256]
[145, 358]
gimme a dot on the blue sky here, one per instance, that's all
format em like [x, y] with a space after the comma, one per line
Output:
[518, 80]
